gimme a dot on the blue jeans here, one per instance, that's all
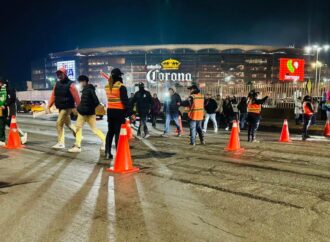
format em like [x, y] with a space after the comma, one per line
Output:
[242, 120]
[169, 117]
[196, 127]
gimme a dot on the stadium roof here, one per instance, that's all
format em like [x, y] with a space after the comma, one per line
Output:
[175, 49]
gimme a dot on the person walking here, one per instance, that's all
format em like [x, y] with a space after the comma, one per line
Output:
[298, 110]
[171, 110]
[242, 109]
[254, 114]
[316, 104]
[86, 113]
[227, 112]
[218, 112]
[210, 106]
[308, 110]
[3, 111]
[327, 105]
[117, 109]
[156, 106]
[65, 96]
[195, 102]
[143, 101]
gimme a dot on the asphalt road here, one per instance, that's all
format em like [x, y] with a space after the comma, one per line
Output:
[270, 192]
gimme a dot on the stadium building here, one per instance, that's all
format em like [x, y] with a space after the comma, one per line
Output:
[165, 65]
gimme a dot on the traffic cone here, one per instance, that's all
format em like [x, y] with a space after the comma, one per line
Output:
[14, 141]
[129, 129]
[326, 132]
[234, 143]
[285, 135]
[180, 124]
[123, 161]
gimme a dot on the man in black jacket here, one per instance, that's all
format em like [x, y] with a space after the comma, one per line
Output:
[86, 113]
[171, 110]
[210, 106]
[143, 101]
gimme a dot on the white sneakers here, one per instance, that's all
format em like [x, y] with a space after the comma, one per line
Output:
[2, 144]
[75, 149]
[24, 139]
[59, 146]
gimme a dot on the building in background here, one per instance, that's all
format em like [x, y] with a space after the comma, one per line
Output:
[160, 66]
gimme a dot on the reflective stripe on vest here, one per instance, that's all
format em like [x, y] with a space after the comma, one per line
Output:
[254, 108]
[307, 110]
[196, 111]
[113, 96]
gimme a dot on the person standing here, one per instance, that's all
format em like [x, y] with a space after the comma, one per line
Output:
[242, 108]
[219, 109]
[227, 112]
[234, 110]
[327, 106]
[86, 113]
[210, 106]
[3, 111]
[316, 104]
[195, 102]
[308, 110]
[117, 108]
[254, 114]
[298, 110]
[156, 106]
[171, 110]
[143, 101]
[65, 96]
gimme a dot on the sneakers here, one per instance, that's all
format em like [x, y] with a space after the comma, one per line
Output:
[24, 139]
[59, 146]
[203, 142]
[108, 156]
[255, 141]
[75, 149]
[165, 135]
[192, 144]
[204, 130]
[147, 136]
[179, 135]
[227, 128]
[102, 146]
[215, 130]
[2, 144]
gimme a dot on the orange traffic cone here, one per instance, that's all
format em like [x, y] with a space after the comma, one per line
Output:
[285, 135]
[14, 141]
[234, 143]
[180, 124]
[326, 132]
[123, 161]
[129, 129]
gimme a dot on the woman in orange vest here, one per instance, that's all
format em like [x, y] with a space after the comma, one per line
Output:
[195, 102]
[308, 114]
[116, 109]
[254, 114]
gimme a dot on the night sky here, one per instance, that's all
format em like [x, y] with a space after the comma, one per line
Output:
[32, 29]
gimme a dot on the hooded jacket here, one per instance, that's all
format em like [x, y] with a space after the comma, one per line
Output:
[89, 101]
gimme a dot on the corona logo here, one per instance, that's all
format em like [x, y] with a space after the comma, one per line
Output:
[170, 64]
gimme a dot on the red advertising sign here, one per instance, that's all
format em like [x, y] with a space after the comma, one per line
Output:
[292, 69]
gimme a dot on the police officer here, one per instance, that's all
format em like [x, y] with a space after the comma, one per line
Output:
[143, 101]
[195, 102]
[308, 114]
[254, 114]
[66, 98]
[116, 108]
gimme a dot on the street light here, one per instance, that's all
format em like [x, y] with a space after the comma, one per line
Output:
[317, 49]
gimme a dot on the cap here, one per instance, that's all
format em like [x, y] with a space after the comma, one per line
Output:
[63, 70]
[194, 86]
[116, 72]
[141, 84]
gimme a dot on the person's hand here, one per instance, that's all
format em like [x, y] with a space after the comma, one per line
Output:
[75, 112]
[47, 110]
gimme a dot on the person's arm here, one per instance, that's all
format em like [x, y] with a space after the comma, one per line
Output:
[261, 101]
[188, 102]
[12, 97]
[310, 106]
[215, 105]
[95, 99]
[75, 94]
[51, 100]
[124, 97]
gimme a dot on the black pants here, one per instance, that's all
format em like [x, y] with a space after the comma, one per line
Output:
[3, 121]
[116, 118]
[154, 119]
[307, 123]
[253, 125]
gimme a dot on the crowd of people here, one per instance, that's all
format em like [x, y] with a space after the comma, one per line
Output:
[222, 112]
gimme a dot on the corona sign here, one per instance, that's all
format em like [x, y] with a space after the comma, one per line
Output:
[292, 69]
[168, 70]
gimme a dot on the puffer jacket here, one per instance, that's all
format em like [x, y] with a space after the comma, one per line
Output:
[89, 101]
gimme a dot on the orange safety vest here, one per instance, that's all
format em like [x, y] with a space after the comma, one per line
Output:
[113, 96]
[196, 111]
[307, 110]
[254, 108]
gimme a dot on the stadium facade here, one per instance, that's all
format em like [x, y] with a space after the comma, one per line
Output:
[179, 65]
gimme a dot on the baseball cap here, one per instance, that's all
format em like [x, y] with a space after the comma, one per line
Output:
[63, 70]
[116, 72]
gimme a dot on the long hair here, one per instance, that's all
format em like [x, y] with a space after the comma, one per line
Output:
[113, 79]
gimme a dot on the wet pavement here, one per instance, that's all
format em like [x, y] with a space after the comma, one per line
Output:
[270, 192]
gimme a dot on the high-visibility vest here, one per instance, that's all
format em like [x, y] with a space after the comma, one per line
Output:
[254, 108]
[113, 96]
[196, 111]
[307, 110]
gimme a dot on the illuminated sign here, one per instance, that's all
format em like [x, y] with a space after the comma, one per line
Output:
[70, 66]
[292, 69]
[159, 72]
